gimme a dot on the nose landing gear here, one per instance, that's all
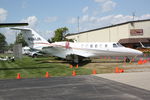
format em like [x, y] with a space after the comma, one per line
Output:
[127, 60]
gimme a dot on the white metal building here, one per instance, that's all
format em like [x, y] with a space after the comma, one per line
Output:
[128, 33]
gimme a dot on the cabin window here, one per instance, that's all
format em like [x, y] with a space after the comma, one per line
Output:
[91, 46]
[100, 45]
[106, 45]
[115, 45]
[95, 45]
[86, 45]
[38, 38]
[82, 45]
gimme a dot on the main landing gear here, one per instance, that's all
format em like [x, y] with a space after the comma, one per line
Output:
[74, 59]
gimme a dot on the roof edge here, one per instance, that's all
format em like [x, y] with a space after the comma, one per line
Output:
[108, 26]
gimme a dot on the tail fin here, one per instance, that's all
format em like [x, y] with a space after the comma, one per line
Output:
[33, 39]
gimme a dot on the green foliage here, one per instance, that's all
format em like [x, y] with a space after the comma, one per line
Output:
[59, 34]
[3, 43]
[10, 47]
[36, 68]
[20, 40]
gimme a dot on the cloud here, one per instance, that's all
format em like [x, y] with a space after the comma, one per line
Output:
[100, 1]
[105, 5]
[72, 21]
[108, 6]
[85, 9]
[48, 34]
[32, 20]
[91, 22]
[84, 18]
[24, 4]
[3, 14]
[146, 16]
[51, 19]
[9, 34]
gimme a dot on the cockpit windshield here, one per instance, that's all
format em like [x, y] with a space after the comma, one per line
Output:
[116, 45]
[119, 45]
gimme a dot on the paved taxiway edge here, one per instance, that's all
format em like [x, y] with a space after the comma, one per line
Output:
[138, 79]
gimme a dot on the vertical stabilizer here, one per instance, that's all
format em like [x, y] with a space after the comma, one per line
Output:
[33, 39]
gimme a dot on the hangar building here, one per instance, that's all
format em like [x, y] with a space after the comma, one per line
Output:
[128, 34]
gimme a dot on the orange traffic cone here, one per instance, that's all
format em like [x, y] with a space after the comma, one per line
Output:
[117, 70]
[94, 71]
[18, 76]
[121, 70]
[140, 62]
[73, 73]
[144, 61]
[77, 66]
[71, 66]
[47, 75]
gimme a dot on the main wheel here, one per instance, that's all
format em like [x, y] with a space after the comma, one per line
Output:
[34, 56]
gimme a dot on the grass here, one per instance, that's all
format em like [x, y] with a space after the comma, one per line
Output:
[36, 68]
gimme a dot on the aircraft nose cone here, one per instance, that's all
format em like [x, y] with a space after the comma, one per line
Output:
[133, 52]
[138, 53]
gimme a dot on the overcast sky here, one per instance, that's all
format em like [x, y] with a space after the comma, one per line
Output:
[45, 16]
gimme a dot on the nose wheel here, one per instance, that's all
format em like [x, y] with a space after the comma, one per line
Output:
[127, 60]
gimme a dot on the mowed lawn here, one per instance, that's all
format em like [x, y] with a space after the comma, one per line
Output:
[37, 67]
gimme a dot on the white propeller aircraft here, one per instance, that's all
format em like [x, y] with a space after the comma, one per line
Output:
[75, 51]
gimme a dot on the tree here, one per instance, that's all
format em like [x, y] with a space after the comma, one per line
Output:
[10, 46]
[59, 34]
[20, 39]
[3, 43]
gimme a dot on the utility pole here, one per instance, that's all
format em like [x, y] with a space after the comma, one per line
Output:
[16, 37]
[133, 14]
[78, 24]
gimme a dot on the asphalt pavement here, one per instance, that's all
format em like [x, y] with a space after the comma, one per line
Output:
[86, 87]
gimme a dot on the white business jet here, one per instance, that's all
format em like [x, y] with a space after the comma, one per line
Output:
[75, 52]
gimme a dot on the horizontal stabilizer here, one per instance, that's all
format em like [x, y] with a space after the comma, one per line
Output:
[22, 29]
[12, 24]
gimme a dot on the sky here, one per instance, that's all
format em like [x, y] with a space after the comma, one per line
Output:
[45, 16]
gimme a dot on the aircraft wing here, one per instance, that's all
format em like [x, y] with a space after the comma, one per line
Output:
[12, 24]
[82, 53]
[63, 52]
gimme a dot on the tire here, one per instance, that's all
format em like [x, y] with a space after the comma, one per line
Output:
[34, 56]
[127, 60]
